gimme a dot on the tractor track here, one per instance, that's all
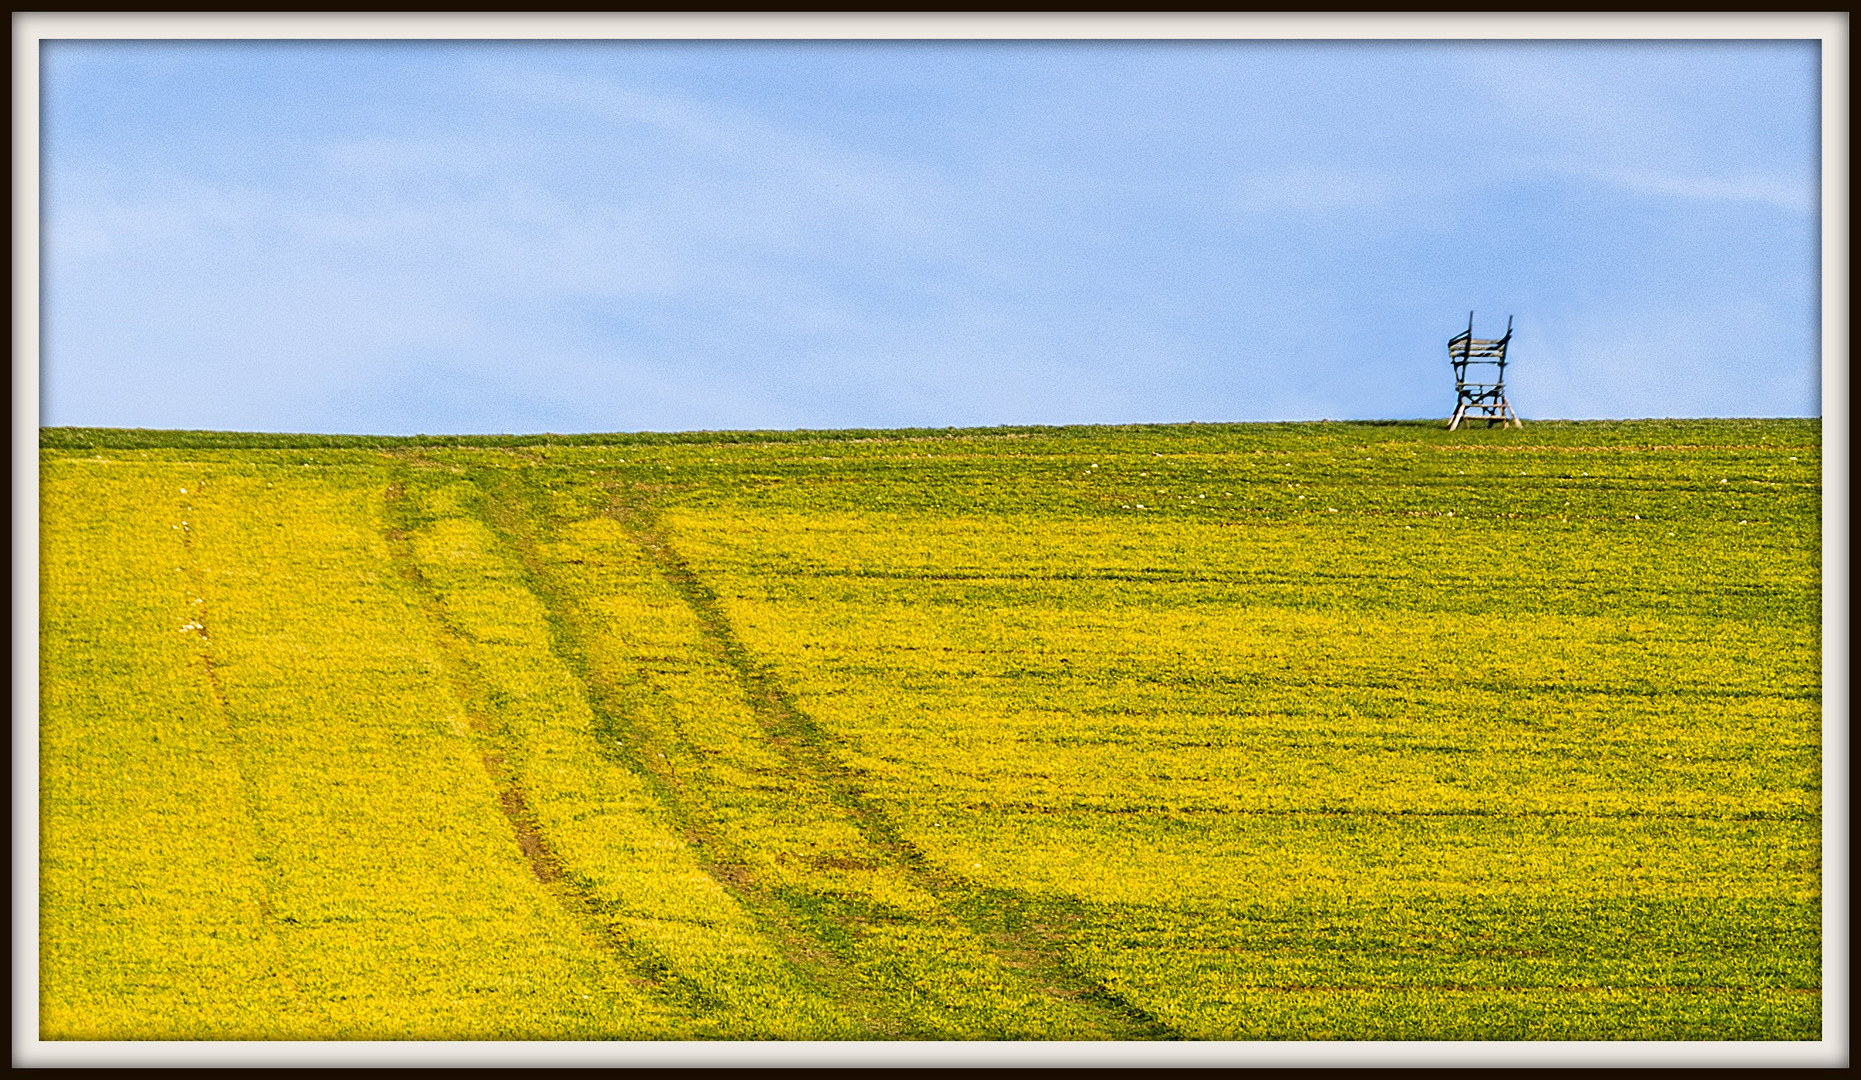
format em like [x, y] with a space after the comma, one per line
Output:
[992, 916]
[809, 751]
[621, 738]
[493, 742]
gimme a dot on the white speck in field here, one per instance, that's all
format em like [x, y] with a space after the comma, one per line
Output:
[1140, 506]
[184, 491]
[1331, 509]
[1724, 481]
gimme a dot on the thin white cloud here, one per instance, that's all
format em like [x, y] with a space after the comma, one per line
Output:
[108, 227]
[1316, 190]
[1544, 99]
[383, 161]
[802, 182]
[1643, 120]
[1798, 195]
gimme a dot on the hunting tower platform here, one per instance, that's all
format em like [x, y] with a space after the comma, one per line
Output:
[1481, 398]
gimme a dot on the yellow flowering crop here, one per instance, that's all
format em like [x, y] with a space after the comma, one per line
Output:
[1324, 731]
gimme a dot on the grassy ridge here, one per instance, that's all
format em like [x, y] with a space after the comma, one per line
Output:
[1213, 731]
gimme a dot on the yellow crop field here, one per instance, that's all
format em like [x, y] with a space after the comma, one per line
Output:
[1207, 732]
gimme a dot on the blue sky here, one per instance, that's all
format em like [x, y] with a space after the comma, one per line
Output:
[401, 237]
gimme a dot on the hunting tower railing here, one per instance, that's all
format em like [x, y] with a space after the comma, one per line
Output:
[1488, 360]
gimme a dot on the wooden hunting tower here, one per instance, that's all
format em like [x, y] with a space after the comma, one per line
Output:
[1486, 399]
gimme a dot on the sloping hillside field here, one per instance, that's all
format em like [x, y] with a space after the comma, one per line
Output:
[1305, 731]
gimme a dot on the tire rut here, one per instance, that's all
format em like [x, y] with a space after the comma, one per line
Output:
[988, 914]
[801, 742]
[622, 739]
[493, 742]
